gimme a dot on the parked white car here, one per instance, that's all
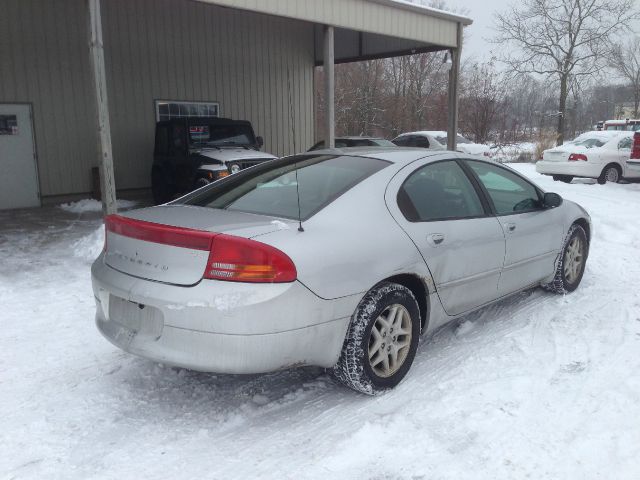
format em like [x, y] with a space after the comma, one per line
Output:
[600, 155]
[462, 144]
[419, 140]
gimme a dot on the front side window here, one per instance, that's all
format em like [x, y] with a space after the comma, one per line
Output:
[508, 192]
[272, 188]
[438, 191]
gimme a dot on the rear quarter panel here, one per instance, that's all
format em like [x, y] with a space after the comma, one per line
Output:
[351, 244]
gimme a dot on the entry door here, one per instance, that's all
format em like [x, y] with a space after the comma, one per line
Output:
[462, 243]
[18, 177]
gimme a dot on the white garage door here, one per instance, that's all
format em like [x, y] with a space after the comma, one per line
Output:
[19, 178]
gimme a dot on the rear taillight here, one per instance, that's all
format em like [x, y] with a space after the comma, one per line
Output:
[231, 258]
[239, 259]
[635, 150]
[577, 157]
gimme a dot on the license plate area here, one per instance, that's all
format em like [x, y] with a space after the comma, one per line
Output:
[141, 320]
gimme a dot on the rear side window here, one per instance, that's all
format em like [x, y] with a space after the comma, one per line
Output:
[271, 188]
[438, 191]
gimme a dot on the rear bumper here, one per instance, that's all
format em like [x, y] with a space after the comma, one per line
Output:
[575, 169]
[222, 327]
[633, 168]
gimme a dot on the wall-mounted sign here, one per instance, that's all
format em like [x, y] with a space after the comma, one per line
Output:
[8, 125]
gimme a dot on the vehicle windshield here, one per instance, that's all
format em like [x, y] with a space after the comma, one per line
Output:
[461, 139]
[590, 143]
[272, 188]
[219, 135]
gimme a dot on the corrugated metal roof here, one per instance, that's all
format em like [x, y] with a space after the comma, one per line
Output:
[423, 9]
[392, 18]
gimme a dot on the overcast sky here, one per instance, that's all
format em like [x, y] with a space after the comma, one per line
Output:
[482, 12]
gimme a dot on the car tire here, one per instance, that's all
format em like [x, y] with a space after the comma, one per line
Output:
[610, 173]
[563, 178]
[569, 273]
[366, 363]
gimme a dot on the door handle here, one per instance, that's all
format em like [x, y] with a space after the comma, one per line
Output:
[435, 238]
[510, 226]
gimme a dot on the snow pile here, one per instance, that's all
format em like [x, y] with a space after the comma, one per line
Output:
[89, 247]
[91, 205]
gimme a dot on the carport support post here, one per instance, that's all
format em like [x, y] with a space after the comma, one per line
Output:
[329, 89]
[96, 52]
[452, 128]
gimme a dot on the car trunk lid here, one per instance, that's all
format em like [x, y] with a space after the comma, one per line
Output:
[171, 244]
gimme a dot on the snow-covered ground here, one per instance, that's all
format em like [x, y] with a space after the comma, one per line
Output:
[539, 386]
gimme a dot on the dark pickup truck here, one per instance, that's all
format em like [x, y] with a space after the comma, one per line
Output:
[191, 152]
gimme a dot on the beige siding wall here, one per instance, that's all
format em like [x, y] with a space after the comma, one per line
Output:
[44, 61]
[252, 64]
[184, 50]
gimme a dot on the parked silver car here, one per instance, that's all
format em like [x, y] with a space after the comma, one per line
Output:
[338, 258]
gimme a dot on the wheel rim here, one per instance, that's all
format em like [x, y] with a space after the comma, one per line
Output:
[573, 259]
[390, 340]
[612, 175]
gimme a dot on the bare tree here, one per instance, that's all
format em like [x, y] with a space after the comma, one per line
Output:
[481, 101]
[565, 40]
[625, 60]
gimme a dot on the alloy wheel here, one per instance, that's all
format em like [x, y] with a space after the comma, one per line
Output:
[573, 259]
[390, 340]
[612, 175]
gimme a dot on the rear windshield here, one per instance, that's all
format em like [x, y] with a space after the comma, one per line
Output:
[271, 188]
[590, 143]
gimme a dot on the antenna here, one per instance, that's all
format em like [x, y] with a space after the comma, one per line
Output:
[293, 134]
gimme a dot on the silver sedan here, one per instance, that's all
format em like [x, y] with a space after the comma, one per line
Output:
[336, 258]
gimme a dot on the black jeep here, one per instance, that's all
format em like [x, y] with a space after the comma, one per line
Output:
[193, 151]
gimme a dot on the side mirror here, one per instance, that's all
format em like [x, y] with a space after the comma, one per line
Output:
[260, 141]
[551, 200]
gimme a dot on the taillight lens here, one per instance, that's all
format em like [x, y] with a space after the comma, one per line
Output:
[577, 157]
[238, 259]
[635, 150]
[231, 258]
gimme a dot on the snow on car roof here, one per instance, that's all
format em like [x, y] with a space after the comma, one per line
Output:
[432, 133]
[604, 135]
